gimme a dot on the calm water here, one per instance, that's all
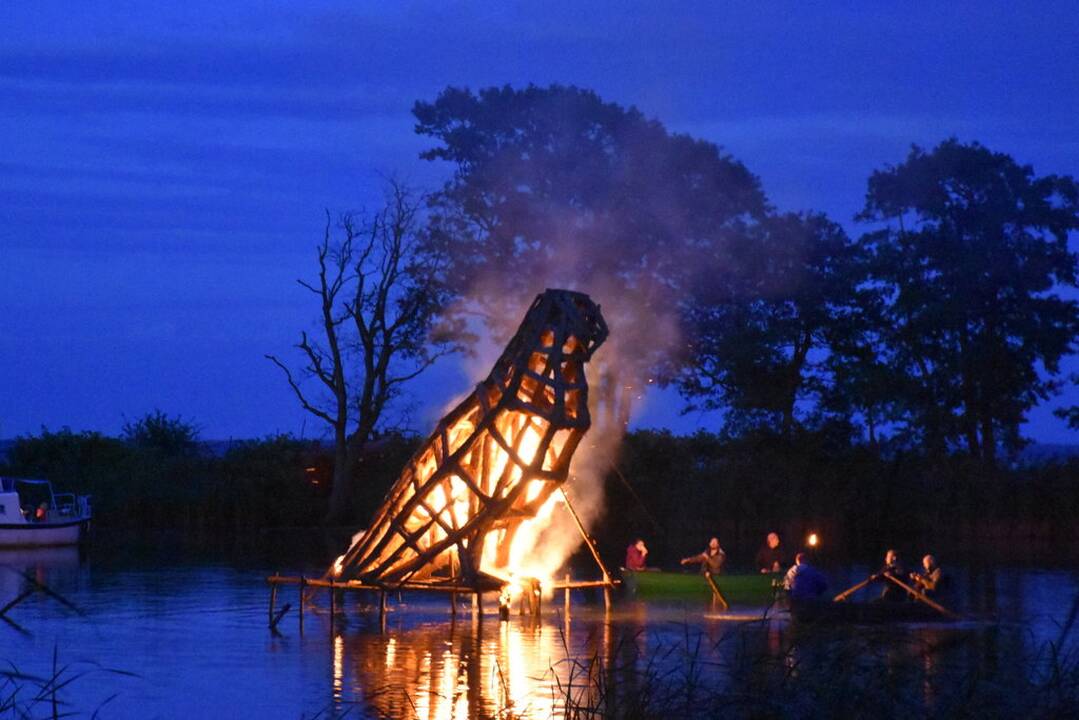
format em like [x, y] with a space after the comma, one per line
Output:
[193, 637]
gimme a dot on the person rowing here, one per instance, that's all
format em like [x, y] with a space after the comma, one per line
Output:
[893, 567]
[930, 578]
[711, 560]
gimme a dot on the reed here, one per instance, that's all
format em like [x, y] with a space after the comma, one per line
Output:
[29, 695]
[873, 673]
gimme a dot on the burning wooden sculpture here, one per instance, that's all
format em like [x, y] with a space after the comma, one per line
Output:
[493, 463]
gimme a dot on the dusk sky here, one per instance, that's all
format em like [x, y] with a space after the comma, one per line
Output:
[166, 167]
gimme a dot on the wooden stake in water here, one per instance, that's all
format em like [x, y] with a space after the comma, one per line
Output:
[303, 590]
[273, 601]
[565, 611]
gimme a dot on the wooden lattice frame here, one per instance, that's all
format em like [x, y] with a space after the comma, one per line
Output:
[472, 480]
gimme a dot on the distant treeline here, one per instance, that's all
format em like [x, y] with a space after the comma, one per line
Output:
[675, 491]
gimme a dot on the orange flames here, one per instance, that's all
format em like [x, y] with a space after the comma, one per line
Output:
[474, 501]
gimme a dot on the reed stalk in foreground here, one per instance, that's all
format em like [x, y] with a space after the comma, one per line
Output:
[812, 674]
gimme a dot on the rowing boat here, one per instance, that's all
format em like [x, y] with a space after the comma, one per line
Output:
[827, 611]
[738, 589]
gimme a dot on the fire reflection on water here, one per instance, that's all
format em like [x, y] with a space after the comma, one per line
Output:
[443, 671]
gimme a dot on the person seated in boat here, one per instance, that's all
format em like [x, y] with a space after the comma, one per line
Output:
[42, 512]
[894, 568]
[711, 560]
[770, 556]
[636, 556]
[929, 580]
[803, 581]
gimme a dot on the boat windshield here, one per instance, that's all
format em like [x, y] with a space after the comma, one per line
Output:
[33, 492]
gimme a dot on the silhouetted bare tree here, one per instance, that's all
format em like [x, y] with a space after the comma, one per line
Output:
[378, 294]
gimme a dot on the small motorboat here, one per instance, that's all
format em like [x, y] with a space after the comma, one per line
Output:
[32, 515]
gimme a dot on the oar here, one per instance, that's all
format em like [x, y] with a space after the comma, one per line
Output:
[853, 589]
[715, 591]
[924, 598]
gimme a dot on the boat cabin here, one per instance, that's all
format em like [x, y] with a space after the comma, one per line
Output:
[11, 511]
[26, 501]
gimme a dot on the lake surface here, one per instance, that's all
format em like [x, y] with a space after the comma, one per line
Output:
[190, 639]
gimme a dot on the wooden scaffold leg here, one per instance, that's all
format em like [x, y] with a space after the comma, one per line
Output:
[303, 591]
[273, 601]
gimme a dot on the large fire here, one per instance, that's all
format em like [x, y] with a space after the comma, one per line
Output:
[470, 508]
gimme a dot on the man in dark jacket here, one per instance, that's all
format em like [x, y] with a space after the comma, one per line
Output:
[770, 556]
[892, 566]
[711, 560]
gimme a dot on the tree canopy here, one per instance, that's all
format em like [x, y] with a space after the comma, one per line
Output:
[553, 187]
[971, 253]
[765, 344]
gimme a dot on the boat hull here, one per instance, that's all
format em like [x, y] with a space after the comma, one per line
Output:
[826, 611]
[41, 534]
[738, 589]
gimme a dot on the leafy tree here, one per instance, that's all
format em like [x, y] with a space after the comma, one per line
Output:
[86, 462]
[265, 483]
[555, 187]
[1070, 414]
[379, 292]
[971, 253]
[764, 346]
[172, 437]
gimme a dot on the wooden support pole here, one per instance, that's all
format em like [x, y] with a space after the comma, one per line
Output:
[303, 592]
[477, 606]
[535, 596]
[607, 582]
[565, 609]
[273, 601]
[505, 605]
[280, 614]
[453, 604]
[333, 606]
[584, 534]
[382, 610]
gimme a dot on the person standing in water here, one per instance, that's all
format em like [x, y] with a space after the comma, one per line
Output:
[711, 560]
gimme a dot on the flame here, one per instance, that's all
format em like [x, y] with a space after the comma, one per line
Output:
[526, 557]
[480, 499]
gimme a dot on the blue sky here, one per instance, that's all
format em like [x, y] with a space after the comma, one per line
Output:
[166, 166]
